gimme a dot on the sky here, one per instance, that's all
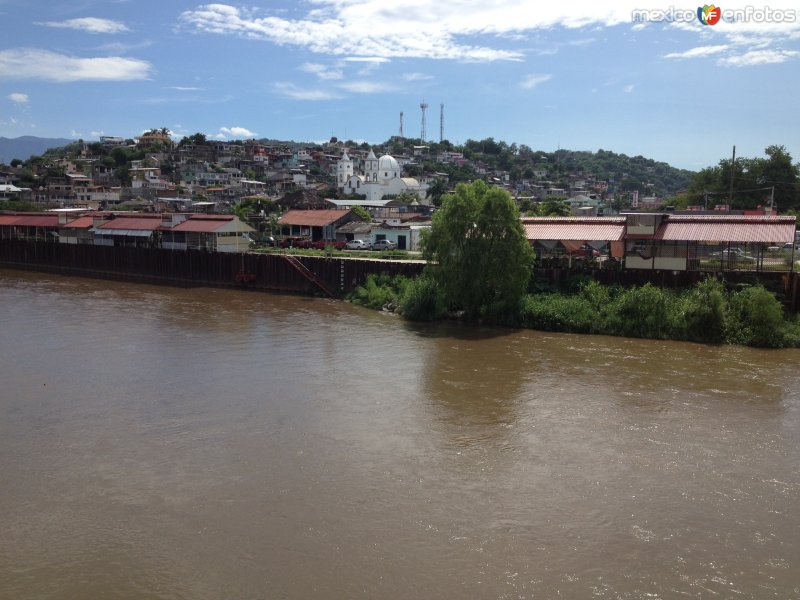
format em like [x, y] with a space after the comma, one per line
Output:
[639, 78]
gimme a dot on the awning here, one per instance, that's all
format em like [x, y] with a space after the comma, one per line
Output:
[124, 232]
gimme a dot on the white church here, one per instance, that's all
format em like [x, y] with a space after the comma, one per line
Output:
[381, 178]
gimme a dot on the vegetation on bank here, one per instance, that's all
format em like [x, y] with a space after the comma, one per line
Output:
[706, 312]
[479, 268]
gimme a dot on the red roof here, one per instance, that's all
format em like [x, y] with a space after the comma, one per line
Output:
[610, 229]
[312, 218]
[131, 223]
[29, 220]
[202, 224]
[728, 228]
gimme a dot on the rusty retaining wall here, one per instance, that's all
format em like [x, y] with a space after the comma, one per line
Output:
[270, 272]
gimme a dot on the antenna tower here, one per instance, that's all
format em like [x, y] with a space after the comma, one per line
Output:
[441, 123]
[424, 107]
[401, 126]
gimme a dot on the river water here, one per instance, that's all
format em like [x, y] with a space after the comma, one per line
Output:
[161, 442]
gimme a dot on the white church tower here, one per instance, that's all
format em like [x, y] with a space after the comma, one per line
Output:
[344, 170]
[371, 167]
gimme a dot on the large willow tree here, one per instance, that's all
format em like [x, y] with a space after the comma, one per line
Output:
[478, 252]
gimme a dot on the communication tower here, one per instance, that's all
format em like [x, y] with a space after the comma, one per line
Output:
[401, 126]
[441, 123]
[424, 107]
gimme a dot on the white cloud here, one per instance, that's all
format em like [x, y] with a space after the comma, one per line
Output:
[462, 30]
[532, 81]
[182, 88]
[370, 59]
[237, 132]
[32, 63]
[90, 24]
[290, 90]
[321, 71]
[698, 52]
[416, 76]
[759, 57]
[18, 98]
[364, 28]
[628, 89]
[96, 134]
[367, 87]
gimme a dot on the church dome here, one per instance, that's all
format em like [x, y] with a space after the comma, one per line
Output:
[388, 163]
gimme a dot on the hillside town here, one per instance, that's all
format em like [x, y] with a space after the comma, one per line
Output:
[229, 196]
[155, 173]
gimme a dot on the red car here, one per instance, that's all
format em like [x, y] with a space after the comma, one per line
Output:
[295, 242]
[324, 243]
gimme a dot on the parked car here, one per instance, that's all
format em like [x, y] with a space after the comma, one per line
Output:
[324, 243]
[295, 242]
[357, 245]
[733, 255]
[384, 245]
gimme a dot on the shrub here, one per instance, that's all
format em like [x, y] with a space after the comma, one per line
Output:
[422, 300]
[703, 311]
[755, 318]
[554, 312]
[379, 291]
[641, 312]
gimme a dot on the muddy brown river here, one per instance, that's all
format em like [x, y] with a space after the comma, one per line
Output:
[170, 443]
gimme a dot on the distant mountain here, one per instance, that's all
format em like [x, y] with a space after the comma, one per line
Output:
[26, 146]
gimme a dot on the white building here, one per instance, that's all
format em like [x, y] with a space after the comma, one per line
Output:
[382, 177]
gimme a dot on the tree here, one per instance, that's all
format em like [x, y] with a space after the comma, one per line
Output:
[437, 190]
[362, 213]
[478, 252]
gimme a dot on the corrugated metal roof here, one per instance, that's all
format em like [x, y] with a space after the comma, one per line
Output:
[144, 223]
[202, 224]
[728, 230]
[35, 221]
[312, 218]
[584, 230]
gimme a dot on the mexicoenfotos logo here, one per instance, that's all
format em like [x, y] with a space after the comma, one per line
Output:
[709, 15]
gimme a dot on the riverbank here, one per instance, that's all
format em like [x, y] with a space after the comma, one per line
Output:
[709, 312]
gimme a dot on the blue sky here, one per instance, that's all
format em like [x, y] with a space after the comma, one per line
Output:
[578, 75]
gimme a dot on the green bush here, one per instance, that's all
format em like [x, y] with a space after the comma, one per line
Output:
[379, 291]
[642, 312]
[555, 312]
[703, 311]
[422, 300]
[755, 318]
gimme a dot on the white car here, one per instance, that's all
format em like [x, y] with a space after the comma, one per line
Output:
[357, 245]
[384, 245]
